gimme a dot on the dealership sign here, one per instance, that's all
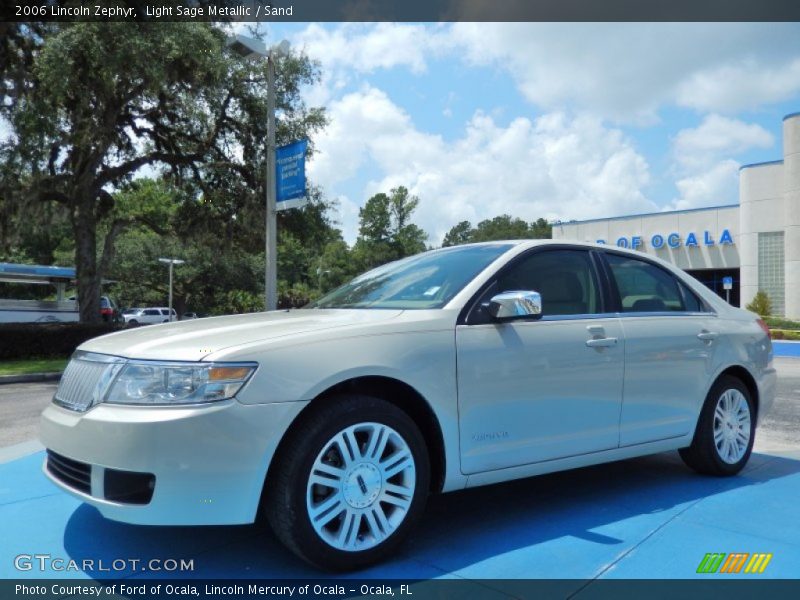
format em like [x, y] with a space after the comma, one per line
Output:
[674, 240]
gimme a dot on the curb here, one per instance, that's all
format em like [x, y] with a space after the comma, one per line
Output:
[30, 378]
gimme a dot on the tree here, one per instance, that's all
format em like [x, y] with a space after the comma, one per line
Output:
[458, 234]
[385, 231]
[503, 227]
[760, 304]
[102, 100]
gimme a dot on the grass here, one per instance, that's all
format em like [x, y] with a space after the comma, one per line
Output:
[32, 365]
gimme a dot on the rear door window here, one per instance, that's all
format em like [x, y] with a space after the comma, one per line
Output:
[644, 287]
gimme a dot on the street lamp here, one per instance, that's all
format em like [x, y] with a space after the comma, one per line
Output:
[247, 47]
[171, 262]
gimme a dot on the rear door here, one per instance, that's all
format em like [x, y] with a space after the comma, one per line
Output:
[531, 391]
[670, 342]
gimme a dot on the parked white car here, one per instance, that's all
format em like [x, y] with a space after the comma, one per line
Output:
[148, 316]
[454, 368]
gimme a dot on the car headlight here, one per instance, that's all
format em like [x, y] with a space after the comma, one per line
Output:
[150, 383]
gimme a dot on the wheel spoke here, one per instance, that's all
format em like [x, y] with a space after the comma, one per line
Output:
[377, 443]
[325, 481]
[346, 451]
[326, 511]
[718, 436]
[397, 462]
[400, 501]
[378, 526]
[349, 531]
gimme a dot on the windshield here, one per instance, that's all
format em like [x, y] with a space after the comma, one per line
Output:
[427, 280]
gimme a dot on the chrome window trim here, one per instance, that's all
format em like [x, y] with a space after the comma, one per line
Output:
[594, 316]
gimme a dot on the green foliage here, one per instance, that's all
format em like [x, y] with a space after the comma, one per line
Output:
[92, 103]
[503, 227]
[761, 304]
[780, 323]
[385, 231]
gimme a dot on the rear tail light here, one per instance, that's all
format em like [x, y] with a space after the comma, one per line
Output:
[763, 326]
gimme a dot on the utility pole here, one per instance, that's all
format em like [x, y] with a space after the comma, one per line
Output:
[171, 262]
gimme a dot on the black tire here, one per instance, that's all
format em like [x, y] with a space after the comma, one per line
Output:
[133, 322]
[286, 485]
[703, 455]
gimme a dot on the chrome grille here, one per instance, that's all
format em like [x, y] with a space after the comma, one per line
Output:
[84, 381]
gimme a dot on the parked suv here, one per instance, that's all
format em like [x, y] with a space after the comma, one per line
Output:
[149, 316]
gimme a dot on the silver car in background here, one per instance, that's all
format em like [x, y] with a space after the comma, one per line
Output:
[454, 368]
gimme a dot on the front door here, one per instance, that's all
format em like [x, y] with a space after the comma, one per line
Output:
[531, 391]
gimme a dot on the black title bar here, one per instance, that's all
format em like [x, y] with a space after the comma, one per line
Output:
[401, 10]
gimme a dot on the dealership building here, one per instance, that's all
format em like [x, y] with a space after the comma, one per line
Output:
[756, 243]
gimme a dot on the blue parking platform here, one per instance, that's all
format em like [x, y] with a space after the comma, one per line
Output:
[643, 518]
[784, 348]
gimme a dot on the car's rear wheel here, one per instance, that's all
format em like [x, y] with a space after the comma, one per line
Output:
[723, 440]
[350, 482]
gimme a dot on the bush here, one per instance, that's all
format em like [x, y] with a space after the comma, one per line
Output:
[780, 323]
[43, 340]
[761, 304]
[784, 334]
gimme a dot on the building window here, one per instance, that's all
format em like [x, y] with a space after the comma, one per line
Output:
[770, 269]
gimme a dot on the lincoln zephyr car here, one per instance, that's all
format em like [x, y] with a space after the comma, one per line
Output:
[451, 369]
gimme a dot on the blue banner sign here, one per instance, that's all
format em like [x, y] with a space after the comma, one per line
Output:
[674, 240]
[290, 172]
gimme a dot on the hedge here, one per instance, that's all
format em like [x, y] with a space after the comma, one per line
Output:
[785, 334]
[44, 340]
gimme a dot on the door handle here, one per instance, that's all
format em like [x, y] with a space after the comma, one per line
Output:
[602, 342]
[707, 336]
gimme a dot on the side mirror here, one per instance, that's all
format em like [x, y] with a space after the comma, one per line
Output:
[515, 305]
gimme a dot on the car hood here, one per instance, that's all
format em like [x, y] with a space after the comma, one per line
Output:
[196, 339]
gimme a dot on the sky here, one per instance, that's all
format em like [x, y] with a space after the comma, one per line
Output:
[561, 121]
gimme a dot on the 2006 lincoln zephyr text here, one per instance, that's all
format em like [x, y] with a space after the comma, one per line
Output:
[454, 368]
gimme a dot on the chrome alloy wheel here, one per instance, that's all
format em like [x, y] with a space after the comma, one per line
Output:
[361, 486]
[732, 426]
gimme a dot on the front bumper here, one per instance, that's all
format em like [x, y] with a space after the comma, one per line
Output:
[209, 461]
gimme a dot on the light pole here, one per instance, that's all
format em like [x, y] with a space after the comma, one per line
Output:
[171, 262]
[249, 48]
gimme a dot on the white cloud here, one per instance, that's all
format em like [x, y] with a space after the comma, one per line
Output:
[715, 137]
[366, 48]
[622, 71]
[628, 70]
[713, 187]
[740, 86]
[554, 166]
[703, 160]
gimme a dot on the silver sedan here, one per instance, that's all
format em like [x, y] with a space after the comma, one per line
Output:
[454, 368]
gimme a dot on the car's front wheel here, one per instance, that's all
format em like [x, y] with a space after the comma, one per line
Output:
[350, 482]
[725, 431]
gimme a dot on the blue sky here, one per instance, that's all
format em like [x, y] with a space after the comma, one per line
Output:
[562, 121]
